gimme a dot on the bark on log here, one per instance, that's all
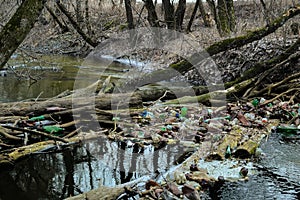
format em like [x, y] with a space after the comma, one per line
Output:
[103, 102]
[213, 97]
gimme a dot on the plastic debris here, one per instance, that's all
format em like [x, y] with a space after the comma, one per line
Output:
[287, 129]
[255, 102]
[52, 129]
[44, 122]
[264, 120]
[228, 152]
[244, 172]
[184, 111]
[243, 119]
[262, 100]
[217, 118]
[42, 117]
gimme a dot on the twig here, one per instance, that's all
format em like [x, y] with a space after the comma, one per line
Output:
[8, 136]
[269, 88]
[38, 96]
[72, 133]
[280, 95]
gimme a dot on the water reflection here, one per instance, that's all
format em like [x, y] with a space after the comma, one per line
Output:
[80, 169]
[56, 74]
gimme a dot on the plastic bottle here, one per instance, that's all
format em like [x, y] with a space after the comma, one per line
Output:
[42, 117]
[44, 122]
[52, 129]
[287, 129]
[255, 102]
[184, 111]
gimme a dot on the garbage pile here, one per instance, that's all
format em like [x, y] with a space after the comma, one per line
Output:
[219, 134]
[233, 133]
[193, 124]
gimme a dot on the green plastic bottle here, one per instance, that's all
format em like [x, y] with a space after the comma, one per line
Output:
[255, 102]
[42, 117]
[287, 129]
[183, 111]
[52, 129]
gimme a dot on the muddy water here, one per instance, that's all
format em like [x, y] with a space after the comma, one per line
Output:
[54, 75]
[49, 76]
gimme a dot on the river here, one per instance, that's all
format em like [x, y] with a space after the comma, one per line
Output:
[101, 162]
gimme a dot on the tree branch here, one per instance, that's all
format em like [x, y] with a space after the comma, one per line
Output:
[76, 26]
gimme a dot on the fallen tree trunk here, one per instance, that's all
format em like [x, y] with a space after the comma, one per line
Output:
[213, 97]
[103, 102]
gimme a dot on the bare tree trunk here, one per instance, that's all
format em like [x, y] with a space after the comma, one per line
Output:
[169, 13]
[152, 16]
[130, 22]
[179, 14]
[17, 28]
[231, 15]
[265, 11]
[87, 17]
[129, 14]
[226, 17]
[188, 28]
[213, 9]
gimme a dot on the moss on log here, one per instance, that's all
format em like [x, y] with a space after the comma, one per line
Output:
[213, 97]
[230, 140]
[266, 65]
[247, 149]
[240, 147]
